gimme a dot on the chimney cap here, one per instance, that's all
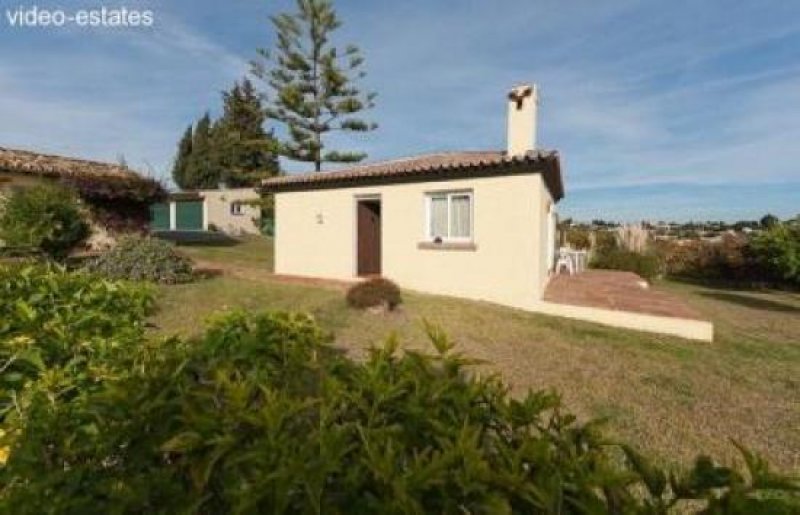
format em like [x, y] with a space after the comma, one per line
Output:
[519, 93]
[521, 89]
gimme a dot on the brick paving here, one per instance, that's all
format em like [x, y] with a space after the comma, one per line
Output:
[616, 290]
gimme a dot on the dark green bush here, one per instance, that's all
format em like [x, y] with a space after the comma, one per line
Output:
[143, 258]
[777, 251]
[47, 217]
[374, 292]
[605, 240]
[260, 415]
[770, 258]
[647, 266]
[578, 238]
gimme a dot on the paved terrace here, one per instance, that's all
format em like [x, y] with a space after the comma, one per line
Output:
[615, 290]
[622, 299]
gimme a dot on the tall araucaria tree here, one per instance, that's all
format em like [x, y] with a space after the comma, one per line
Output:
[312, 85]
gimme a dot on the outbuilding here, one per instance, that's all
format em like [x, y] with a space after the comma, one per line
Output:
[234, 211]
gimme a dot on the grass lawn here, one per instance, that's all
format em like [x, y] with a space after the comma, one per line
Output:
[249, 251]
[672, 397]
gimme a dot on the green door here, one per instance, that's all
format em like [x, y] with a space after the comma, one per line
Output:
[159, 217]
[189, 215]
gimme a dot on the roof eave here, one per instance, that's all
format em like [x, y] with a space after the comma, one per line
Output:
[549, 166]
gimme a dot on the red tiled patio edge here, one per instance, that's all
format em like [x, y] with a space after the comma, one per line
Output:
[615, 290]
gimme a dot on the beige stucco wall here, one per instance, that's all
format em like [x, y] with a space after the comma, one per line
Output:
[217, 210]
[316, 236]
[546, 237]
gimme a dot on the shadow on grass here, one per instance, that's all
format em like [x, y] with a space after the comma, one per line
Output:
[198, 238]
[763, 286]
[751, 302]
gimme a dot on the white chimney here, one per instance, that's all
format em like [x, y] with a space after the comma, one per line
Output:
[523, 104]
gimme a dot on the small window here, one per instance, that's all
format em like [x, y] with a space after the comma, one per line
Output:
[449, 216]
[236, 209]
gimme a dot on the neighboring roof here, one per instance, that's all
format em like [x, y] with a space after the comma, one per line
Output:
[24, 161]
[93, 179]
[185, 195]
[200, 194]
[440, 166]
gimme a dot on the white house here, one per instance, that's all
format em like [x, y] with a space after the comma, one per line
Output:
[473, 224]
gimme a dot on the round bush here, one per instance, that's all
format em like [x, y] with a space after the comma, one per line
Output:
[373, 293]
[142, 258]
[46, 217]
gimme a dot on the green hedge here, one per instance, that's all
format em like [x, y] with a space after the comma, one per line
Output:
[262, 415]
[647, 266]
[777, 252]
[768, 258]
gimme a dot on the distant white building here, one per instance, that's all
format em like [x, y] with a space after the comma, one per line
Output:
[228, 210]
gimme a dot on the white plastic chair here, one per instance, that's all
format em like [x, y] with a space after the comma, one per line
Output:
[565, 260]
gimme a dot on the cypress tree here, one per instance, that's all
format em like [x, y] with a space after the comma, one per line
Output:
[179, 168]
[312, 84]
[244, 151]
[202, 172]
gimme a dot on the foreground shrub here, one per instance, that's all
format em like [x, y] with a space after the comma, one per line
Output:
[261, 415]
[63, 326]
[373, 293]
[143, 258]
[647, 266]
[46, 217]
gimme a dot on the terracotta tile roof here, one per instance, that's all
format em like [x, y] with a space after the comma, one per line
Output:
[24, 161]
[438, 166]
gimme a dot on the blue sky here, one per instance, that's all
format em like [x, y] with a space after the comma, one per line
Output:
[661, 110]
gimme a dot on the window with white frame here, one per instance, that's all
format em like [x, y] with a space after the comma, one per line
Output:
[236, 208]
[449, 216]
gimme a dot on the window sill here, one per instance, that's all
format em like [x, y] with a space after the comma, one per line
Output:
[451, 245]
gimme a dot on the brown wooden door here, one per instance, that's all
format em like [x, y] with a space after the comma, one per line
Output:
[369, 237]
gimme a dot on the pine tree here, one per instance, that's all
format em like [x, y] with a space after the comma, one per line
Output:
[312, 84]
[243, 150]
[179, 168]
